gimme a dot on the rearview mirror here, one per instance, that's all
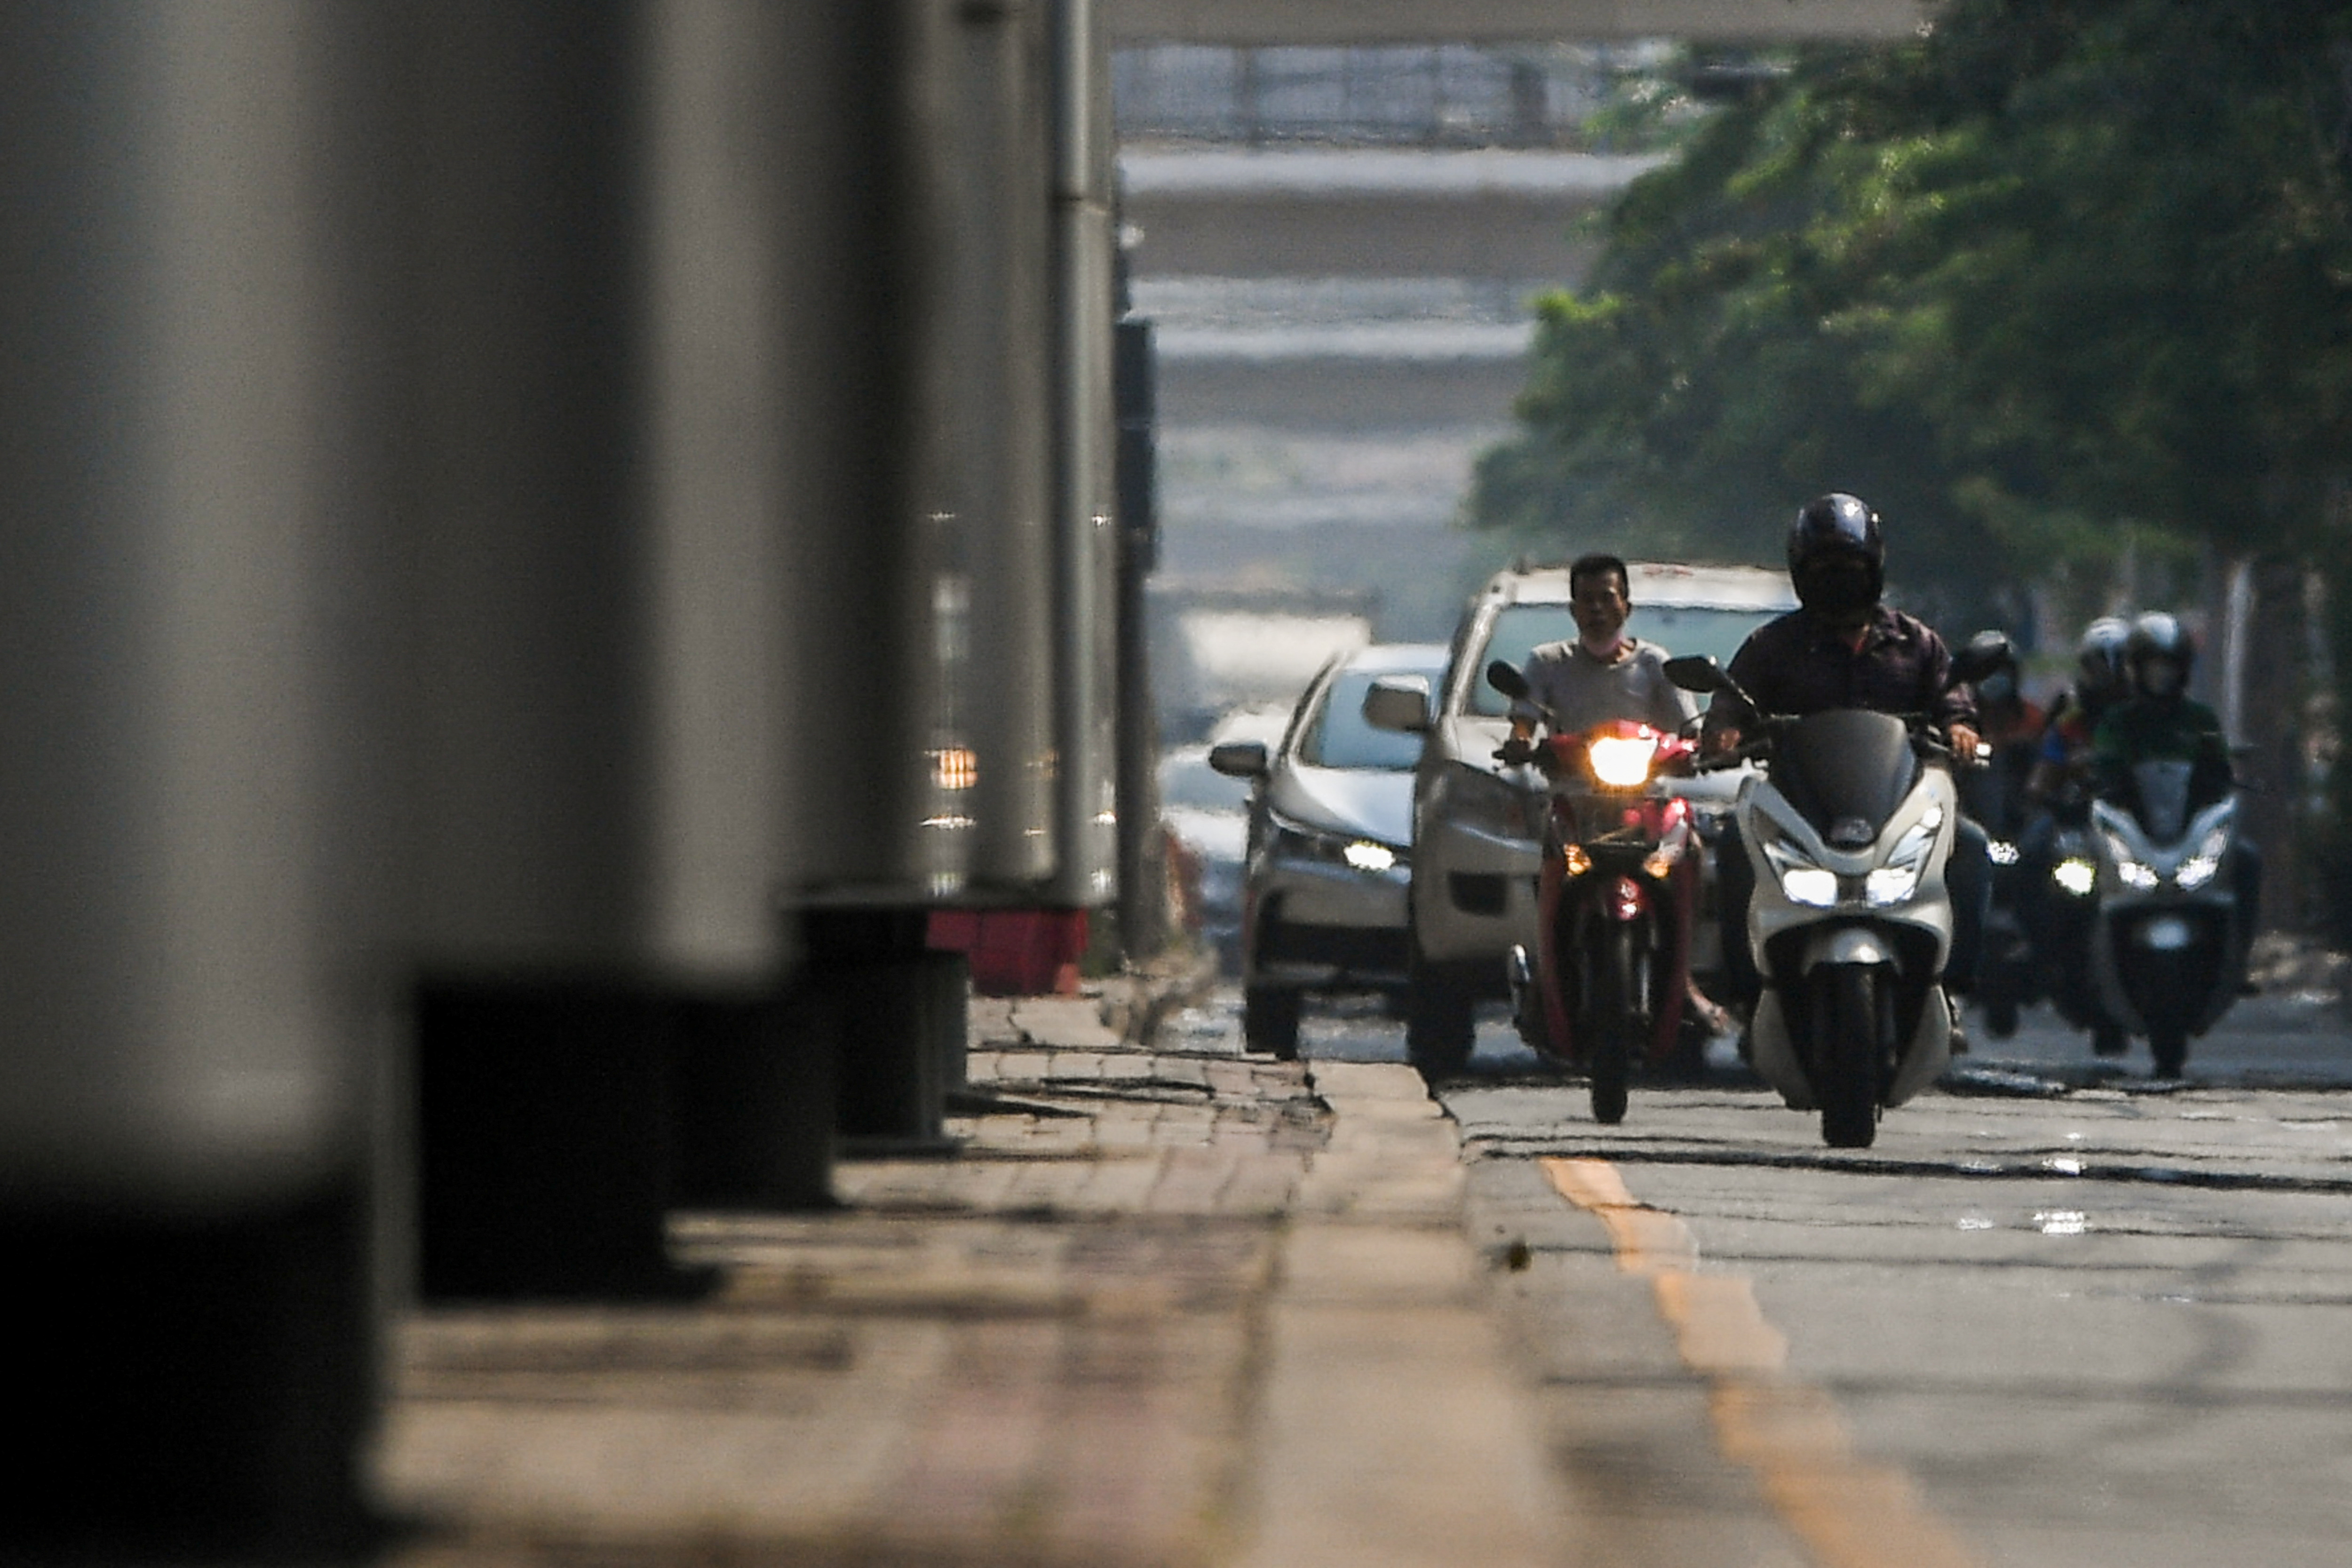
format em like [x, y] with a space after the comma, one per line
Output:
[1506, 679]
[1398, 702]
[1697, 672]
[1239, 759]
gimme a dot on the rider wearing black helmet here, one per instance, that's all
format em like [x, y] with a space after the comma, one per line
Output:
[1844, 649]
[2161, 722]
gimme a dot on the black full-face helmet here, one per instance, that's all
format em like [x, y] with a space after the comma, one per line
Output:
[1837, 555]
[2161, 654]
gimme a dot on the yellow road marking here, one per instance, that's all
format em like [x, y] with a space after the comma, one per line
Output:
[1850, 1513]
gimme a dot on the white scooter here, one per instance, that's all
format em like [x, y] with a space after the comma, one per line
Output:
[2168, 942]
[1849, 830]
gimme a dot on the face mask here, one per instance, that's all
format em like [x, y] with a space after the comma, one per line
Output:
[1839, 588]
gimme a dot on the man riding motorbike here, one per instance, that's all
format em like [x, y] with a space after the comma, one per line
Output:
[1843, 649]
[2102, 679]
[1580, 682]
[2162, 723]
[2012, 725]
[2057, 793]
[1601, 673]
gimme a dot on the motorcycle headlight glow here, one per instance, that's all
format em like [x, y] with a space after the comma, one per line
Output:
[2002, 851]
[2132, 872]
[1366, 856]
[1801, 881]
[1623, 762]
[2200, 867]
[1898, 879]
[2075, 875]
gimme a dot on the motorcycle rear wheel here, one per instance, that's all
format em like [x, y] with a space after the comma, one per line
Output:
[1846, 1052]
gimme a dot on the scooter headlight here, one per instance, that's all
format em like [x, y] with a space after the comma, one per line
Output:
[1366, 856]
[1898, 878]
[2002, 851]
[1801, 881]
[2131, 872]
[1623, 762]
[2075, 875]
[2200, 867]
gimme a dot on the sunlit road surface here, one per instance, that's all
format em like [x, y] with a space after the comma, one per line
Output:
[2058, 1315]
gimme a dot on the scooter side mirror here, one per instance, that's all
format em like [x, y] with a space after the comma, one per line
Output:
[1699, 672]
[1971, 665]
[1504, 677]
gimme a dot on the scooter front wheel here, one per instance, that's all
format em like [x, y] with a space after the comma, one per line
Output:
[1846, 1053]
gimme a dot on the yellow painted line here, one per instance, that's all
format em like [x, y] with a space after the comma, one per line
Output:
[1849, 1512]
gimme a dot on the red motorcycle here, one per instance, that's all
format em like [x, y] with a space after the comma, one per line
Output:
[1619, 883]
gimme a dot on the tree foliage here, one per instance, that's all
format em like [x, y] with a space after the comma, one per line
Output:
[2061, 274]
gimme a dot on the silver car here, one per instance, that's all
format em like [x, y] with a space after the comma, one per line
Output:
[1331, 852]
[1478, 824]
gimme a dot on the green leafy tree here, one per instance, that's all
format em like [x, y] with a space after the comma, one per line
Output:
[2064, 278]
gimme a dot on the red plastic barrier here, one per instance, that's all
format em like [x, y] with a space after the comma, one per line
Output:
[1014, 953]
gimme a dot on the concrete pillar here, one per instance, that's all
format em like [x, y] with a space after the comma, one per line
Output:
[196, 814]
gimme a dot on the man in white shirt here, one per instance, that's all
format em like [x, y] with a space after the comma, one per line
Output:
[1601, 673]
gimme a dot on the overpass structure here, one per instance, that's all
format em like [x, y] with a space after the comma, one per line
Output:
[1264, 22]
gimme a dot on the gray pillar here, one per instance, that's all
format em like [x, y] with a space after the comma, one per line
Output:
[194, 812]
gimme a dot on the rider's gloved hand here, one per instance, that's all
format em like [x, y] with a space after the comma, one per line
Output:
[1516, 751]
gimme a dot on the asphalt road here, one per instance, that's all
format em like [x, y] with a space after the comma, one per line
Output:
[2058, 1315]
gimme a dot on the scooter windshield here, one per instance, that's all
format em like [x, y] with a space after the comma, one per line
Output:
[1845, 771]
[2163, 788]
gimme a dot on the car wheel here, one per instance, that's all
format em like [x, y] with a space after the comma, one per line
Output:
[1440, 1020]
[1270, 1021]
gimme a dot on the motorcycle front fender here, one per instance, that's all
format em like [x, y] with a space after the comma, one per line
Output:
[1839, 943]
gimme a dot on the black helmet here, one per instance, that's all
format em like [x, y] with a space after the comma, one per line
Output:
[1830, 531]
[2157, 639]
[2099, 656]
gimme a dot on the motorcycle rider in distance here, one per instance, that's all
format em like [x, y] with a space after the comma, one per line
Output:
[2057, 793]
[2100, 680]
[1599, 675]
[2012, 725]
[1842, 647]
[2162, 723]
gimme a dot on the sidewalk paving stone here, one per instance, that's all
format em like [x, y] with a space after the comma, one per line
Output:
[1161, 1308]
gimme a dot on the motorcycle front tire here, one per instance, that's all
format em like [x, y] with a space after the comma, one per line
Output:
[1846, 1053]
[1609, 1006]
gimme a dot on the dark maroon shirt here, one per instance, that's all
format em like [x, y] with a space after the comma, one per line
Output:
[1795, 665]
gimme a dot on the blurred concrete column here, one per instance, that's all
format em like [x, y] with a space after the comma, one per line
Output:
[197, 800]
[1085, 502]
[608, 424]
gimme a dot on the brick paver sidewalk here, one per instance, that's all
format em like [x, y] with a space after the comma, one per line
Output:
[1165, 1307]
